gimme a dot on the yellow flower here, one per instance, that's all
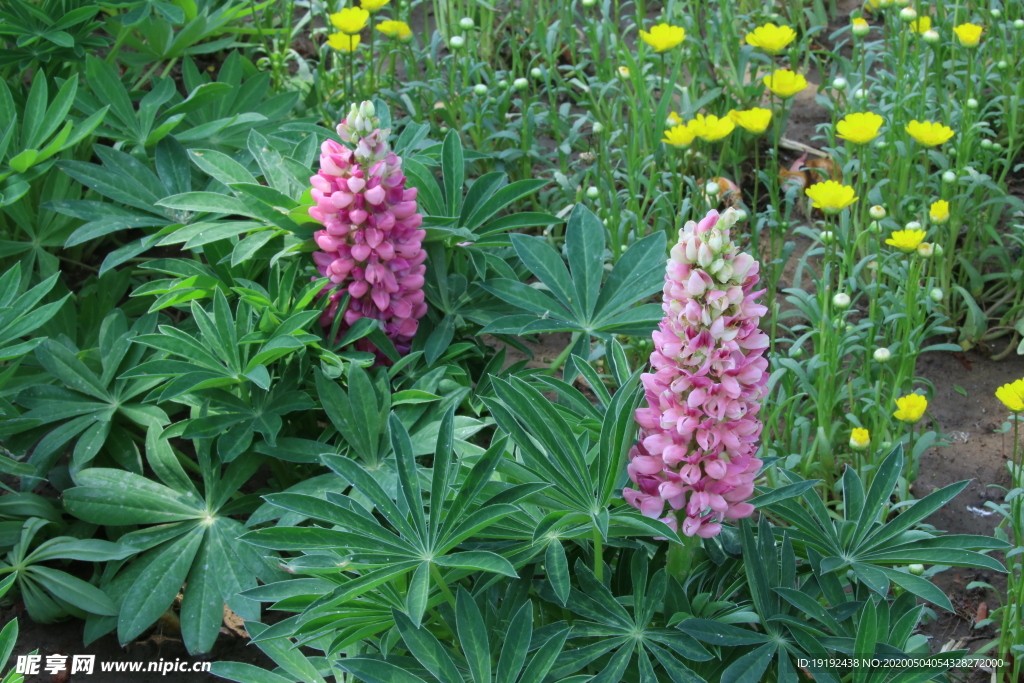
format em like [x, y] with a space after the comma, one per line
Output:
[710, 127]
[906, 240]
[771, 38]
[860, 24]
[395, 29]
[860, 439]
[342, 42]
[350, 20]
[859, 128]
[910, 408]
[1012, 395]
[921, 24]
[929, 133]
[968, 34]
[664, 37]
[678, 136]
[830, 196]
[754, 120]
[373, 5]
[674, 119]
[784, 83]
[939, 212]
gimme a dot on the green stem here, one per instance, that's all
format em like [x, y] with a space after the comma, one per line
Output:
[598, 554]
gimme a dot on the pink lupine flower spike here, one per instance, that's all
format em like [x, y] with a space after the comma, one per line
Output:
[699, 431]
[371, 241]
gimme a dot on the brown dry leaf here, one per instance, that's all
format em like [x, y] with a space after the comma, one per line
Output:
[824, 169]
[234, 623]
[982, 613]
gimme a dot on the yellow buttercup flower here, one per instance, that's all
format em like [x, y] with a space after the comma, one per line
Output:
[350, 20]
[373, 5]
[710, 127]
[910, 408]
[939, 211]
[906, 240]
[929, 133]
[859, 128]
[343, 42]
[969, 35]
[1012, 395]
[664, 37]
[674, 119]
[395, 29]
[860, 439]
[830, 196]
[754, 120]
[921, 24]
[784, 83]
[678, 136]
[771, 38]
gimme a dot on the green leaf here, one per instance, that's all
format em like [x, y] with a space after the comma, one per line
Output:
[478, 560]
[584, 245]
[639, 273]
[453, 170]
[155, 589]
[472, 634]
[426, 649]
[246, 673]
[220, 166]
[720, 634]
[547, 265]
[205, 202]
[439, 339]
[202, 609]
[557, 568]
[75, 591]
[107, 496]
[65, 366]
[376, 671]
[418, 594]
[750, 667]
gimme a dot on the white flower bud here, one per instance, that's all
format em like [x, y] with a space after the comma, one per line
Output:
[881, 355]
[444, 130]
[691, 250]
[1002, 65]
[537, 72]
[986, 144]
[466, 23]
[931, 36]
[597, 127]
[996, 147]
[860, 94]
[589, 3]
[949, 177]
[916, 569]
[712, 189]
[480, 89]
[704, 255]
[912, 225]
[925, 250]
[366, 109]
[995, 12]
[521, 84]
[877, 212]
[908, 14]
[1018, 23]
[623, 72]
[936, 295]
[841, 300]
[503, 83]
[874, 226]
[881, 144]
[593, 192]
[714, 240]
[972, 103]
[827, 236]
[861, 30]
[839, 83]
[741, 215]
[456, 42]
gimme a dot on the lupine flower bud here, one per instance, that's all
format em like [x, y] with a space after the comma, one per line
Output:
[699, 431]
[371, 241]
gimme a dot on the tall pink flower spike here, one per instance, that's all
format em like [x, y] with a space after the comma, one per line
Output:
[699, 431]
[371, 241]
